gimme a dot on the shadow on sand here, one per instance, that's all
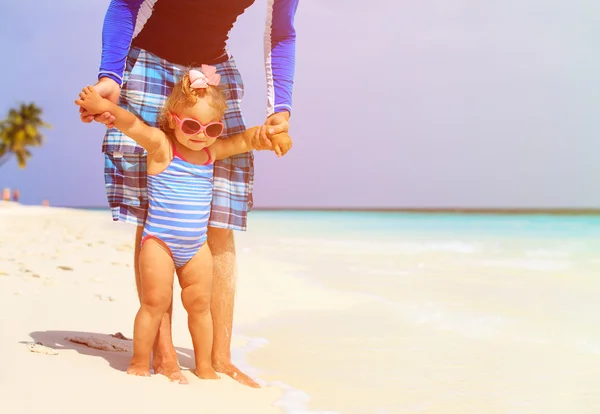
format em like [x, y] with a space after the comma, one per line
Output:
[118, 360]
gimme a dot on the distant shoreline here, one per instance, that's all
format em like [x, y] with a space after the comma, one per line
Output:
[473, 211]
[447, 210]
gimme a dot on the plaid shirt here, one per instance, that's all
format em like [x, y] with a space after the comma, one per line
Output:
[147, 82]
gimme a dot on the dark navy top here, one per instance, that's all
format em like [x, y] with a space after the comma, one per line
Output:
[193, 32]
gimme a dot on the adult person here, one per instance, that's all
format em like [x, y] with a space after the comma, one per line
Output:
[147, 45]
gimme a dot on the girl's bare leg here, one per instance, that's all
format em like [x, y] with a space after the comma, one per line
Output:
[164, 356]
[156, 283]
[195, 278]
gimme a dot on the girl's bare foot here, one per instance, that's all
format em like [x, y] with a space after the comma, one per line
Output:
[206, 372]
[140, 369]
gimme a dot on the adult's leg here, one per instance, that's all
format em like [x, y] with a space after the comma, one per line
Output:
[231, 198]
[164, 356]
[222, 246]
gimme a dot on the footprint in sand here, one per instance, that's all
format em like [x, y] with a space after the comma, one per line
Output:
[40, 348]
[104, 342]
[119, 335]
[102, 297]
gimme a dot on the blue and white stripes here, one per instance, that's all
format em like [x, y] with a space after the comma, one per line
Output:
[179, 201]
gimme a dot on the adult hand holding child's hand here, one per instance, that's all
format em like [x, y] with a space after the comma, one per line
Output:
[273, 134]
[109, 89]
[275, 124]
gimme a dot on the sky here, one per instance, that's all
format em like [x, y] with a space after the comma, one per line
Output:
[431, 104]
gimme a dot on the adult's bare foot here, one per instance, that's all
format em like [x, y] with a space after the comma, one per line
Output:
[168, 365]
[138, 368]
[228, 368]
[206, 372]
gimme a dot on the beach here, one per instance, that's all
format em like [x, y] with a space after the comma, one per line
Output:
[67, 274]
[335, 313]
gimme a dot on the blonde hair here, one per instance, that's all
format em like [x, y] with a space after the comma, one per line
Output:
[183, 96]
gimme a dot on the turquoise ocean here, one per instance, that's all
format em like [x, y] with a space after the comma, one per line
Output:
[469, 312]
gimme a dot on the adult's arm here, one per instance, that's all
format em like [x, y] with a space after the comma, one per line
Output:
[117, 32]
[280, 54]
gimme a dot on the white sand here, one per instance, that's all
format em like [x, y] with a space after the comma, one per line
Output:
[453, 325]
[67, 274]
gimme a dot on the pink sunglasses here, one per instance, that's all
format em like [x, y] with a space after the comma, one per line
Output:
[190, 126]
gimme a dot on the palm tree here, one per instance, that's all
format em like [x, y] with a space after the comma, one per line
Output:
[19, 131]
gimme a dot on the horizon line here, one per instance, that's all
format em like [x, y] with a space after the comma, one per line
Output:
[445, 210]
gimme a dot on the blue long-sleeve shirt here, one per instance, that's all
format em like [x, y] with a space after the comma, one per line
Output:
[193, 32]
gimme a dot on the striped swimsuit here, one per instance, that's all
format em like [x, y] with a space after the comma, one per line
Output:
[179, 200]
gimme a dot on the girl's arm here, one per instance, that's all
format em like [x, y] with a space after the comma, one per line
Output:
[237, 144]
[241, 143]
[148, 137]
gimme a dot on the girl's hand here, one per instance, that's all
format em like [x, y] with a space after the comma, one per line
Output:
[275, 124]
[91, 100]
[106, 88]
[106, 118]
[282, 143]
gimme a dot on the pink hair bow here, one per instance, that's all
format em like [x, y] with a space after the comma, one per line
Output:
[208, 76]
